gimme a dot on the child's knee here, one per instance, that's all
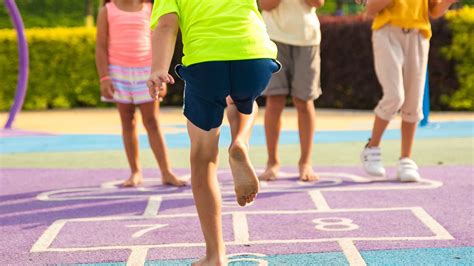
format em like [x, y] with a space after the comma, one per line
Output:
[129, 123]
[303, 106]
[201, 155]
[389, 106]
[412, 115]
[151, 124]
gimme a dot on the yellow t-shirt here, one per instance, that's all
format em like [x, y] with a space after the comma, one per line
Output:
[410, 14]
[218, 30]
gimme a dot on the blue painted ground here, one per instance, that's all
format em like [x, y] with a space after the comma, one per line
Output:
[402, 257]
[63, 143]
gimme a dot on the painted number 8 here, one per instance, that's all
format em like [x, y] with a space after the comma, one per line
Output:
[335, 224]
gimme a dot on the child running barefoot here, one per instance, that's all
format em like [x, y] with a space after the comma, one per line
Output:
[401, 33]
[123, 58]
[228, 60]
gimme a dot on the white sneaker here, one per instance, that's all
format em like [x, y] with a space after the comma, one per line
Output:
[371, 159]
[408, 171]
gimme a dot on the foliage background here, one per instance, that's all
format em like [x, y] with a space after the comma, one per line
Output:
[62, 68]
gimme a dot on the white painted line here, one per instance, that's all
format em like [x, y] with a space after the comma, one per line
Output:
[137, 257]
[255, 242]
[351, 252]
[319, 201]
[148, 228]
[259, 262]
[178, 215]
[153, 206]
[432, 224]
[47, 238]
[266, 188]
[241, 228]
[246, 254]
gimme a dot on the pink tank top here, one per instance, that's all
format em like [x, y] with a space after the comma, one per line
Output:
[129, 36]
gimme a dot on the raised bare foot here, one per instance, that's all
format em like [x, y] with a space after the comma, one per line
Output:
[270, 173]
[307, 174]
[245, 179]
[210, 262]
[134, 180]
[172, 180]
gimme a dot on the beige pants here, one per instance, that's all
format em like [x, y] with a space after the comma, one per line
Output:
[401, 58]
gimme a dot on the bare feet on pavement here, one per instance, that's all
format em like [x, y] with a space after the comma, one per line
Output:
[245, 179]
[307, 174]
[270, 173]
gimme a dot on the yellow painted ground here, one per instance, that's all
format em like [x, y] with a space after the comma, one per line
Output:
[106, 121]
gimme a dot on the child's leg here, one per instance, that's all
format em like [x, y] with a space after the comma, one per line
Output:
[388, 60]
[305, 90]
[204, 150]
[245, 179]
[130, 141]
[408, 137]
[377, 132]
[414, 75]
[389, 64]
[150, 113]
[306, 127]
[273, 110]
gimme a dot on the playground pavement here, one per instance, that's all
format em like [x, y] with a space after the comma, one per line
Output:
[61, 203]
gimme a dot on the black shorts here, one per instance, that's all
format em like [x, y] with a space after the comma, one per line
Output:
[208, 84]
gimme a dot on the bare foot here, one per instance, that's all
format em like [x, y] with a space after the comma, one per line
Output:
[245, 179]
[211, 262]
[134, 180]
[270, 173]
[307, 174]
[172, 180]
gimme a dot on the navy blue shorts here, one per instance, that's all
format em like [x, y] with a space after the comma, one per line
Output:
[208, 84]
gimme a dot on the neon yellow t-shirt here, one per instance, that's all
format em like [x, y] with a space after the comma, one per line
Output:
[410, 14]
[218, 30]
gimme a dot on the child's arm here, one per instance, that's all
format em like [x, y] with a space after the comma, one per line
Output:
[163, 44]
[315, 3]
[439, 7]
[373, 7]
[268, 5]
[101, 55]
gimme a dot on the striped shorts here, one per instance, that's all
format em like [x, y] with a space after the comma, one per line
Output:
[129, 84]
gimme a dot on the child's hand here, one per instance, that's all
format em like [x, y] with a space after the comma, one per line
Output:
[156, 84]
[107, 89]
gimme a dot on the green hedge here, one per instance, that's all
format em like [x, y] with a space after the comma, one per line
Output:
[49, 13]
[462, 51]
[62, 68]
[63, 75]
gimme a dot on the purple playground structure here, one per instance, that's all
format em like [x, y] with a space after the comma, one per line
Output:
[23, 61]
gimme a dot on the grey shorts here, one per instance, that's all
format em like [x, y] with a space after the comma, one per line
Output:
[300, 74]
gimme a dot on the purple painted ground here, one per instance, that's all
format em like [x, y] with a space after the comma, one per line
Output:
[79, 216]
[21, 133]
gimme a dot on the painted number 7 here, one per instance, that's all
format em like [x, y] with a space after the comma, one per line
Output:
[147, 228]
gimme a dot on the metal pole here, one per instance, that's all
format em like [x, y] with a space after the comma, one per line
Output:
[22, 60]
